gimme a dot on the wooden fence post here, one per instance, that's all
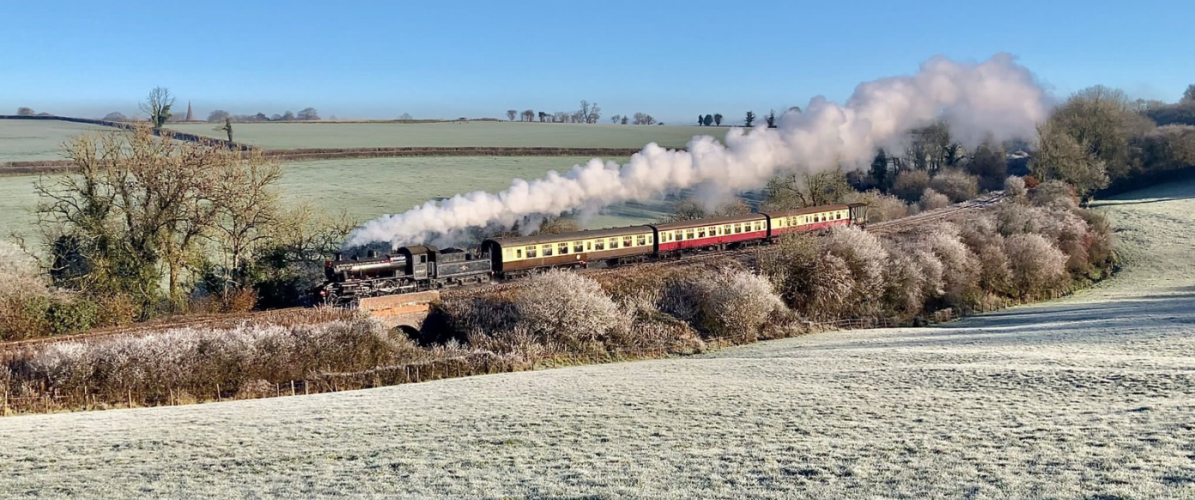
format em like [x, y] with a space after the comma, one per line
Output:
[292, 387]
[130, 398]
[217, 392]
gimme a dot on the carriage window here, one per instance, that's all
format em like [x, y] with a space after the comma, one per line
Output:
[689, 234]
[642, 240]
[600, 245]
[562, 248]
[532, 252]
[578, 247]
[626, 241]
[701, 233]
[547, 250]
[519, 253]
[589, 245]
[613, 243]
[649, 237]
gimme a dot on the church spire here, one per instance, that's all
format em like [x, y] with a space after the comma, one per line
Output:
[189, 115]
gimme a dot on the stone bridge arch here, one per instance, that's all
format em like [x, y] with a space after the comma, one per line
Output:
[405, 312]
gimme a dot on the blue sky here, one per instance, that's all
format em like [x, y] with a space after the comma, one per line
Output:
[671, 59]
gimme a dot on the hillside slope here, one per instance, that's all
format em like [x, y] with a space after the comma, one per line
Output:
[1087, 397]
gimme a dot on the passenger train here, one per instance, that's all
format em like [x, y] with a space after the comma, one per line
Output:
[425, 267]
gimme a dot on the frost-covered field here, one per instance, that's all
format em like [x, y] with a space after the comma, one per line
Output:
[1088, 397]
[28, 140]
[454, 134]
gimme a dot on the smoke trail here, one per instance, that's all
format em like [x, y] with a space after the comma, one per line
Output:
[997, 97]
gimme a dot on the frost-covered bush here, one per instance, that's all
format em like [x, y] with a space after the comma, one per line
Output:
[1015, 188]
[197, 360]
[960, 268]
[914, 276]
[567, 305]
[865, 256]
[880, 207]
[956, 185]
[1037, 266]
[910, 184]
[933, 200]
[1068, 232]
[815, 284]
[1055, 194]
[1015, 218]
[730, 303]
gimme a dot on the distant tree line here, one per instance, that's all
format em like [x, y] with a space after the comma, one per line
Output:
[588, 113]
[304, 115]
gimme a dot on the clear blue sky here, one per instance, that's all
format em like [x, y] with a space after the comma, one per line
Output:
[672, 59]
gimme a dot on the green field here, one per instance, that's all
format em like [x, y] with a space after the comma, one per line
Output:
[453, 134]
[368, 188]
[29, 140]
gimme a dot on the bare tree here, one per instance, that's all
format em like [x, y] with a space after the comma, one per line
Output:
[750, 119]
[560, 117]
[115, 116]
[595, 114]
[405, 117]
[584, 111]
[623, 120]
[23, 111]
[275, 117]
[217, 116]
[511, 114]
[614, 119]
[644, 119]
[308, 114]
[157, 105]
[288, 116]
[543, 116]
[771, 118]
[578, 117]
[1189, 94]
[528, 115]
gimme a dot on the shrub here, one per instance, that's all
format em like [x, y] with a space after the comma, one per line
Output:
[914, 276]
[1031, 181]
[933, 200]
[729, 303]
[816, 284]
[1015, 188]
[1055, 194]
[866, 257]
[567, 305]
[70, 315]
[957, 186]
[960, 267]
[910, 184]
[880, 207]
[1037, 266]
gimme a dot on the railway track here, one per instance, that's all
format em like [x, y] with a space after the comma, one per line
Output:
[744, 255]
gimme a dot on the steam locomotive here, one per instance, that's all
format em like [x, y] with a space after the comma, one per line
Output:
[424, 267]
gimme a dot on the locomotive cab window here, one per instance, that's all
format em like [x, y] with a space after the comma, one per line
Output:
[423, 259]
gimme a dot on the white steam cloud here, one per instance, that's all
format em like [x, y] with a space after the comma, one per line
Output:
[996, 97]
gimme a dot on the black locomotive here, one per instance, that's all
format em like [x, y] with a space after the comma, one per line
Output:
[410, 269]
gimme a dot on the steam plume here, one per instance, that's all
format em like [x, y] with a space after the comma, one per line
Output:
[996, 97]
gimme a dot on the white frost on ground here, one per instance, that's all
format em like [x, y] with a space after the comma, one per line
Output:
[1088, 397]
